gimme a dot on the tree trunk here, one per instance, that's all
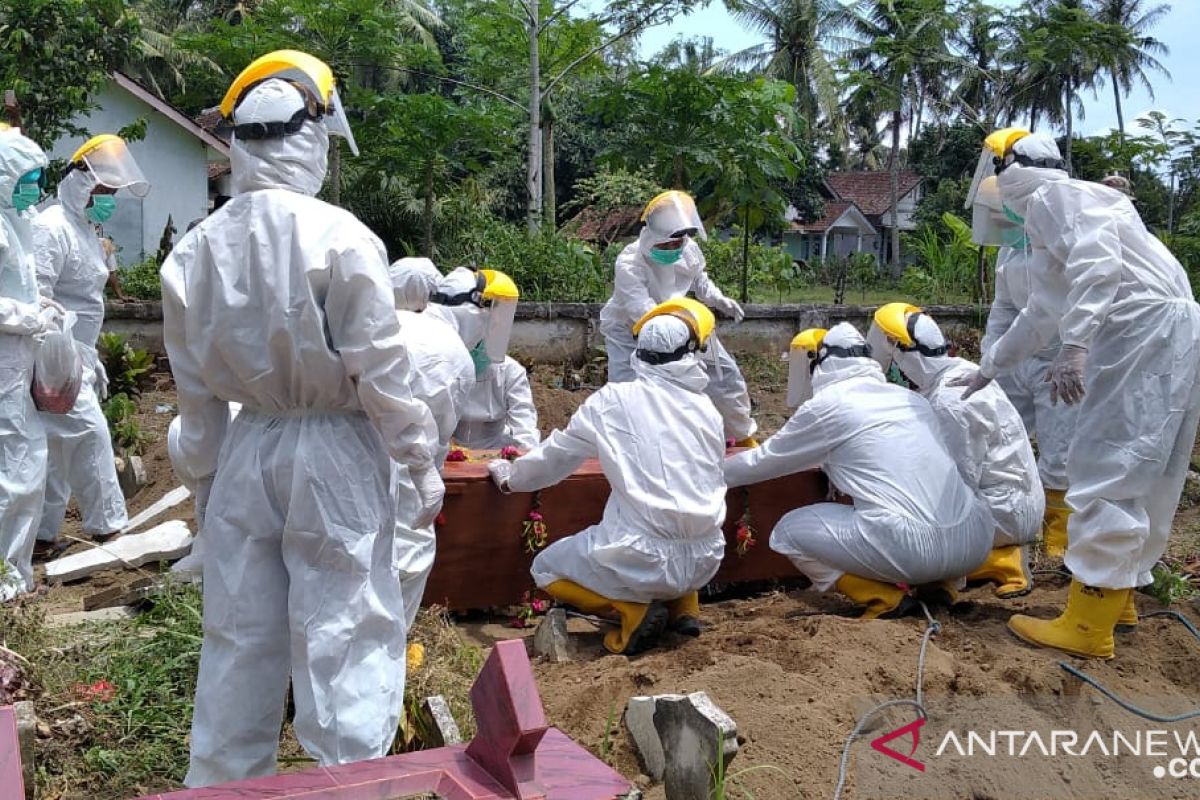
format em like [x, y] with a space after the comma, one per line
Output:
[1171, 205]
[1070, 125]
[677, 180]
[1120, 112]
[894, 185]
[746, 255]
[427, 213]
[335, 171]
[533, 178]
[549, 194]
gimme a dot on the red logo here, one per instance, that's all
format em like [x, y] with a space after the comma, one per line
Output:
[913, 728]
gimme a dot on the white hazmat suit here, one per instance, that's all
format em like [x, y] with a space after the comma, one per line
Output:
[914, 519]
[282, 303]
[638, 286]
[22, 439]
[1118, 299]
[660, 446]
[499, 411]
[1025, 385]
[442, 377]
[72, 269]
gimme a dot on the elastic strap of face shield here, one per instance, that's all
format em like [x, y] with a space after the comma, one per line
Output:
[1025, 161]
[474, 296]
[917, 347]
[836, 351]
[313, 110]
[692, 345]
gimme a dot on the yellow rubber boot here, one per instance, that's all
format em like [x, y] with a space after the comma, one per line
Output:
[582, 598]
[683, 615]
[1008, 569]
[882, 600]
[1085, 627]
[641, 626]
[1129, 614]
[749, 441]
[1054, 523]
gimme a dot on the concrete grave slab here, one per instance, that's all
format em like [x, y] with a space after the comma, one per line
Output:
[164, 542]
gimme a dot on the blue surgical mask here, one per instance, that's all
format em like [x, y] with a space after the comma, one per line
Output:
[26, 195]
[101, 209]
[480, 357]
[666, 257]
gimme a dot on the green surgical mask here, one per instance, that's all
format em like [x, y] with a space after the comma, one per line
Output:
[101, 209]
[1013, 216]
[480, 357]
[666, 257]
[26, 195]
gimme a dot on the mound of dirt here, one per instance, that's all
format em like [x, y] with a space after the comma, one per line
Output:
[796, 684]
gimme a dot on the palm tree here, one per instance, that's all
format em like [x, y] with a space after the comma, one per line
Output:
[157, 60]
[1129, 64]
[805, 38]
[697, 55]
[982, 89]
[902, 59]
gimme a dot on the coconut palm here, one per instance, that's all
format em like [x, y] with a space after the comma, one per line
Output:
[1128, 64]
[804, 39]
[981, 93]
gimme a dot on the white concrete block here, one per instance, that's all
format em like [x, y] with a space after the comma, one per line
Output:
[164, 542]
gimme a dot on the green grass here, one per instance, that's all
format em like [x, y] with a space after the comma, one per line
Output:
[824, 295]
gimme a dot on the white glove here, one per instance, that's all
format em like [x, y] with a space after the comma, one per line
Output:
[731, 309]
[46, 302]
[430, 491]
[1066, 374]
[501, 471]
[974, 381]
[100, 378]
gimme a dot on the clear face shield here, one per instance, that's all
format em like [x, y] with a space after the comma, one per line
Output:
[883, 348]
[501, 312]
[335, 120]
[112, 165]
[672, 216]
[800, 371]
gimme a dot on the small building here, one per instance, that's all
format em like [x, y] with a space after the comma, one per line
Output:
[177, 155]
[871, 192]
[841, 232]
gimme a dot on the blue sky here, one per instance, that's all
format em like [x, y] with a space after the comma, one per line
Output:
[1178, 96]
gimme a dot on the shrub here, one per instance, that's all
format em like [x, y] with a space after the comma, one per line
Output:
[141, 281]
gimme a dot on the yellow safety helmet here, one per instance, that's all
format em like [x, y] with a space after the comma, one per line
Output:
[809, 340]
[108, 159]
[802, 361]
[693, 313]
[310, 75]
[1000, 142]
[894, 321]
[498, 286]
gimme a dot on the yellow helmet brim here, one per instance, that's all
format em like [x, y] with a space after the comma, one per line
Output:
[1001, 141]
[499, 286]
[291, 64]
[892, 319]
[694, 314]
[809, 339]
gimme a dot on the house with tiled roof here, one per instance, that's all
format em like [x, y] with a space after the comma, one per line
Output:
[857, 218]
[178, 155]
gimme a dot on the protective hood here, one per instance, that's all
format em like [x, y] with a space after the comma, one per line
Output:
[832, 367]
[413, 281]
[918, 367]
[75, 191]
[467, 318]
[1018, 182]
[296, 163]
[666, 334]
[18, 155]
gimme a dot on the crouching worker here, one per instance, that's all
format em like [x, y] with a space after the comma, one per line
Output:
[660, 442]
[914, 519]
[984, 434]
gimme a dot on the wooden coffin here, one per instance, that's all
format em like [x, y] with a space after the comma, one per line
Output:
[481, 558]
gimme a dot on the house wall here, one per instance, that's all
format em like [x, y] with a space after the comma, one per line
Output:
[173, 160]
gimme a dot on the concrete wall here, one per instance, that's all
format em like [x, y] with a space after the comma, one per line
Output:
[557, 332]
[173, 160]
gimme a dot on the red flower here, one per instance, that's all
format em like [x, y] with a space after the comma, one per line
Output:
[101, 691]
[539, 606]
[439, 520]
[510, 453]
[535, 516]
[456, 455]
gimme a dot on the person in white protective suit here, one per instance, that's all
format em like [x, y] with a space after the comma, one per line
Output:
[1052, 424]
[72, 268]
[23, 318]
[193, 563]
[1130, 332]
[499, 412]
[442, 377]
[665, 262]
[282, 303]
[914, 520]
[660, 445]
[984, 435]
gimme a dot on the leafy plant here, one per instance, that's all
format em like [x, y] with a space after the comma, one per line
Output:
[141, 280]
[127, 368]
[1169, 585]
[123, 428]
[946, 268]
